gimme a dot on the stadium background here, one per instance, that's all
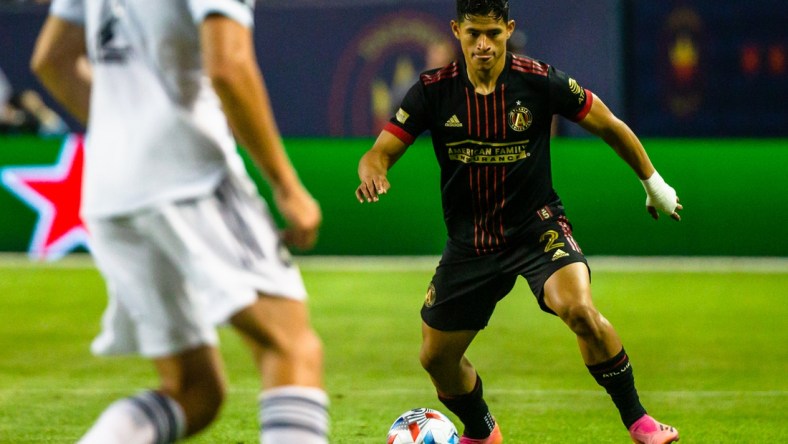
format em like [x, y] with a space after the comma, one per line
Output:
[703, 83]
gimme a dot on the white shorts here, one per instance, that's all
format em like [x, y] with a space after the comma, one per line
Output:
[175, 272]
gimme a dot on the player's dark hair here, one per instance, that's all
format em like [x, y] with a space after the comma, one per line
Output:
[497, 9]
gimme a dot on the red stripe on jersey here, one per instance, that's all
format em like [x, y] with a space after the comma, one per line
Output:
[481, 211]
[475, 224]
[495, 196]
[487, 204]
[491, 206]
[503, 110]
[586, 107]
[445, 73]
[478, 119]
[529, 66]
[399, 133]
[488, 228]
[495, 115]
[486, 119]
[468, 106]
[503, 201]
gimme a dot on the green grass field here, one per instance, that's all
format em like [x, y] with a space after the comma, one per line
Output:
[709, 349]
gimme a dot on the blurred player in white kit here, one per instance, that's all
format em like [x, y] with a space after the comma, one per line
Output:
[177, 228]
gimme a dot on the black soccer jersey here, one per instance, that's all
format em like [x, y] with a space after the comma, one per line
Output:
[494, 149]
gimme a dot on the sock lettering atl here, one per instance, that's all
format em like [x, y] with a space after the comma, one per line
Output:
[616, 376]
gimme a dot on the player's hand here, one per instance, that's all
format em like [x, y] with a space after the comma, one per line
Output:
[372, 186]
[302, 214]
[661, 198]
[655, 214]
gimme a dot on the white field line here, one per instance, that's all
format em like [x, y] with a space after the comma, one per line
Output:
[621, 264]
[710, 394]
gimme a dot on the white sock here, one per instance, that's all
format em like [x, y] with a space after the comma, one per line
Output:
[294, 414]
[148, 418]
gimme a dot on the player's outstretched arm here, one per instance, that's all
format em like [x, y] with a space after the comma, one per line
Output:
[660, 197]
[375, 164]
[230, 62]
[59, 61]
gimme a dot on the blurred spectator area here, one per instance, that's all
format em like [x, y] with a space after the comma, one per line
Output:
[668, 67]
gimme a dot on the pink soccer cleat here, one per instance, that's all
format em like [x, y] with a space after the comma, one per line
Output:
[494, 438]
[647, 430]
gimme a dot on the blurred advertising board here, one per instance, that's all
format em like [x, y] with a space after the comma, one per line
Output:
[707, 68]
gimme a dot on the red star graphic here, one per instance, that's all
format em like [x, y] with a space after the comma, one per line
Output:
[55, 193]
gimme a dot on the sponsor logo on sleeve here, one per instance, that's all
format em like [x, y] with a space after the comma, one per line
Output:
[402, 116]
[577, 90]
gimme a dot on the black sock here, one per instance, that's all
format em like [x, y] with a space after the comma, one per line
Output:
[616, 376]
[472, 411]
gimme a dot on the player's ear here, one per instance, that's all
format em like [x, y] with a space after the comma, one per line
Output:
[510, 28]
[455, 29]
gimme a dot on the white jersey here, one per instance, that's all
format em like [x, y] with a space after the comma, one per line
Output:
[156, 131]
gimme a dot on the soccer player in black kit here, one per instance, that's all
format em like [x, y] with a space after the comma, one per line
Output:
[489, 115]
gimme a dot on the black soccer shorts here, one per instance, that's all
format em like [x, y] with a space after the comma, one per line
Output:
[466, 286]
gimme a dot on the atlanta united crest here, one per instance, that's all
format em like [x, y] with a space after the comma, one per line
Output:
[520, 118]
[429, 299]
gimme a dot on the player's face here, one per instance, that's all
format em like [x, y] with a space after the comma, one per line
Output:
[483, 41]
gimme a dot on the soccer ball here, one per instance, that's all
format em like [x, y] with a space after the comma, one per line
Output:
[423, 426]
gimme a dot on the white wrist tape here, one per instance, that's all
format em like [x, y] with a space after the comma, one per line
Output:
[659, 194]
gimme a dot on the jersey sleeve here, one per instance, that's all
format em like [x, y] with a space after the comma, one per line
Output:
[411, 117]
[568, 98]
[242, 11]
[72, 11]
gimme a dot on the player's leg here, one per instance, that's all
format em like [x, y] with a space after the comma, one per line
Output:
[289, 356]
[191, 392]
[229, 249]
[147, 418]
[458, 384]
[151, 313]
[567, 292]
[459, 303]
[195, 380]
[442, 355]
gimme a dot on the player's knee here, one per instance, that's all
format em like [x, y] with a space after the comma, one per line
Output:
[302, 350]
[583, 319]
[428, 361]
[433, 361]
[308, 349]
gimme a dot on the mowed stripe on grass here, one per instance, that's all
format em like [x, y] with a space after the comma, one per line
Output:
[708, 349]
